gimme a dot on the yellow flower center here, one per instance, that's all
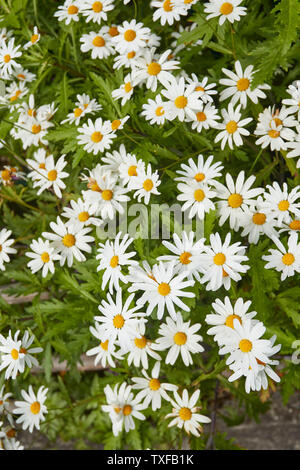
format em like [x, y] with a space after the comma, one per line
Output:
[148, 185]
[167, 5]
[14, 354]
[72, 10]
[34, 38]
[245, 345]
[6, 58]
[15, 96]
[277, 121]
[154, 384]
[180, 102]
[288, 259]
[131, 55]
[115, 124]
[283, 205]
[96, 137]
[219, 259]
[52, 175]
[235, 200]
[42, 166]
[226, 8]
[31, 112]
[127, 410]
[164, 289]
[78, 112]
[83, 216]
[107, 194]
[199, 177]
[199, 195]
[230, 318]
[132, 170]
[127, 87]
[21, 76]
[199, 88]
[129, 35]
[114, 261]
[295, 225]
[243, 84]
[231, 127]
[118, 321]
[274, 134]
[259, 218]
[140, 342]
[98, 41]
[159, 111]
[180, 338]
[5, 175]
[154, 68]
[113, 31]
[104, 345]
[36, 128]
[201, 116]
[45, 257]
[97, 7]
[0, 248]
[69, 240]
[35, 407]
[184, 258]
[185, 414]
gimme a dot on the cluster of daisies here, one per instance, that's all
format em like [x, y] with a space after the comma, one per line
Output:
[16, 355]
[124, 327]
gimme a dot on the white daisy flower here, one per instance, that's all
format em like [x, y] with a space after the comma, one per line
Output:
[293, 102]
[274, 128]
[33, 132]
[221, 320]
[245, 346]
[222, 262]
[12, 359]
[167, 11]
[257, 221]
[295, 146]
[282, 203]
[32, 411]
[99, 44]
[206, 118]
[293, 226]
[232, 127]
[113, 160]
[89, 105]
[145, 184]
[130, 168]
[23, 75]
[257, 380]
[185, 414]
[69, 11]
[205, 89]
[125, 91]
[5, 247]
[152, 390]
[152, 68]
[183, 101]
[113, 258]
[203, 171]
[8, 53]
[4, 401]
[43, 257]
[197, 198]
[122, 407]
[103, 355]
[184, 250]
[128, 59]
[162, 290]
[132, 37]
[284, 260]
[239, 86]
[155, 111]
[230, 11]
[34, 38]
[179, 338]
[118, 124]
[96, 136]
[69, 241]
[96, 11]
[51, 176]
[119, 322]
[236, 197]
[10, 174]
[141, 347]
[37, 163]
[80, 211]
[25, 349]
[13, 444]
[104, 194]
